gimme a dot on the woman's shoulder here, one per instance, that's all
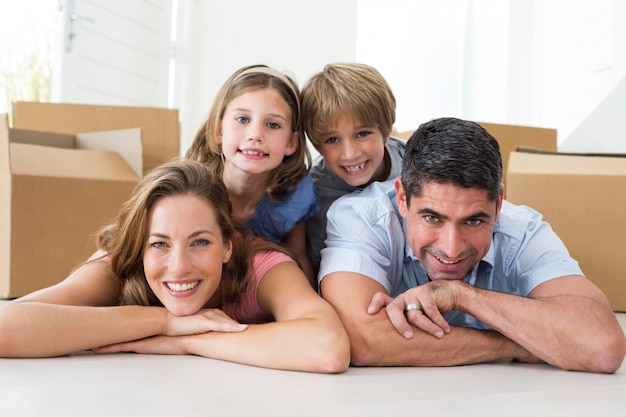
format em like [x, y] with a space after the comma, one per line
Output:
[265, 260]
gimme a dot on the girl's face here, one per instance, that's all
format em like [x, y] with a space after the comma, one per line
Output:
[256, 131]
[184, 253]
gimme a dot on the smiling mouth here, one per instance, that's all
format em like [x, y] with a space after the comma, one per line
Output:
[355, 168]
[446, 261]
[253, 153]
[177, 287]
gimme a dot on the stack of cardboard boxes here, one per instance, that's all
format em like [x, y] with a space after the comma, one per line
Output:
[64, 172]
[583, 197]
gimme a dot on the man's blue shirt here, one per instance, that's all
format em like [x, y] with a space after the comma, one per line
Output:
[366, 235]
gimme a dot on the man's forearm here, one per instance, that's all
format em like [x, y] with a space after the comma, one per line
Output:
[462, 346]
[568, 331]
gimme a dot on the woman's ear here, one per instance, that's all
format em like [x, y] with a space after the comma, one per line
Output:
[228, 252]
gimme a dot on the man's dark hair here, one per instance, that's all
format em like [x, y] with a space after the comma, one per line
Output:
[452, 151]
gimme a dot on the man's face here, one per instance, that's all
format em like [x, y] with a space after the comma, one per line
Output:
[448, 228]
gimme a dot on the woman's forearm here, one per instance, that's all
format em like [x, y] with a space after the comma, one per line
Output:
[301, 345]
[33, 329]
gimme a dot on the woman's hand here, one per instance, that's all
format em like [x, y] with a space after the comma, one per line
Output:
[204, 321]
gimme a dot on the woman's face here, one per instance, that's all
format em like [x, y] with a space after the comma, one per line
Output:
[184, 253]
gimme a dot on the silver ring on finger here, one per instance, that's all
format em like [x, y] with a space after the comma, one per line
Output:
[412, 306]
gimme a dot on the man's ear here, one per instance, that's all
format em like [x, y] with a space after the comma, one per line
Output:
[499, 202]
[401, 197]
[292, 145]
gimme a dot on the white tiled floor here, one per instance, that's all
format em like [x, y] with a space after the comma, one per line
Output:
[138, 385]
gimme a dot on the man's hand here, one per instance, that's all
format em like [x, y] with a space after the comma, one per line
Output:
[426, 306]
[204, 321]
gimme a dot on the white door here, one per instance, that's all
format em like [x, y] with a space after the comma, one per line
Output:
[115, 52]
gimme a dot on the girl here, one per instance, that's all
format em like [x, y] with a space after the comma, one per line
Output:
[174, 277]
[253, 139]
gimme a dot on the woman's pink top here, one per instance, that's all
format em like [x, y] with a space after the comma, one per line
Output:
[246, 309]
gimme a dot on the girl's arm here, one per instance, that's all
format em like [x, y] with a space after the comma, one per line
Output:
[295, 240]
[81, 313]
[306, 336]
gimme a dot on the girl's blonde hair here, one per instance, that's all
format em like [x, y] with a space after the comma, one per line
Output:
[207, 150]
[125, 239]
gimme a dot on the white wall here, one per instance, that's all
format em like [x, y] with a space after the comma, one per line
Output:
[220, 36]
[544, 63]
[419, 47]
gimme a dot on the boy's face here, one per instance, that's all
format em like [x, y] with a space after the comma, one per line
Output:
[355, 153]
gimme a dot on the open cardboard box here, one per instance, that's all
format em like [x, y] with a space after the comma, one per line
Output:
[56, 191]
[583, 198]
[510, 137]
[160, 128]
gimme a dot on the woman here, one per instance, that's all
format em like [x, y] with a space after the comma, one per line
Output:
[175, 277]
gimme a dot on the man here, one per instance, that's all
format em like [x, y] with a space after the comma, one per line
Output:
[435, 268]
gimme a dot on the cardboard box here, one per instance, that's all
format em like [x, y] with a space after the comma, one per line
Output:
[55, 193]
[510, 137]
[583, 198]
[160, 127]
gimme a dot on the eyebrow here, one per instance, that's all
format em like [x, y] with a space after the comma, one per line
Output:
[192, 235]
[473, 216]
[281, 116]
[333, 133]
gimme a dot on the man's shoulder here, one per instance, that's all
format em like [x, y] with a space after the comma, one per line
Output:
[376, 200]
[516, 221]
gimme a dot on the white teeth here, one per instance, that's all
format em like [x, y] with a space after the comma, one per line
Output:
[182, 287]
[443, 261]
[252, 153]
[355, 167]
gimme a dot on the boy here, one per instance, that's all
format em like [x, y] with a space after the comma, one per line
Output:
[348, 115]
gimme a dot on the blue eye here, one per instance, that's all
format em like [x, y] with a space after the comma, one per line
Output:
[242, 119]
[201, 242]
[273, 125]
[331, 141]
[158, 245]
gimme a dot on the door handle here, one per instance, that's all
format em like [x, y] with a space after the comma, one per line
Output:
[70, 18]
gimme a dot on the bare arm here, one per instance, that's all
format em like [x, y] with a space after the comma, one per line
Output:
[566, 321]
[375, 342]
[306, 336]
[295, 240]
[73, 315]
[80, 313]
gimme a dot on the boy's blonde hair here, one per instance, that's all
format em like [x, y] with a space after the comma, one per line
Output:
[205, 148]
[357, 91]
